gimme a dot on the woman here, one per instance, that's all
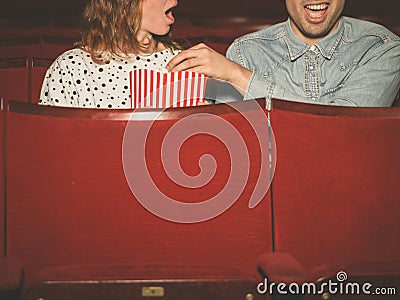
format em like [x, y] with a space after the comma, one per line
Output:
[117, 37]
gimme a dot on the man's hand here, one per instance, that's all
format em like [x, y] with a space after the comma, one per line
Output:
[202, 59]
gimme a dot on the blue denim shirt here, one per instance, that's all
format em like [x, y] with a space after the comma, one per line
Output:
[357, 65]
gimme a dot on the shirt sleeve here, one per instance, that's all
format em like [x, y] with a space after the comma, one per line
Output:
[259, 86]
[58, 88]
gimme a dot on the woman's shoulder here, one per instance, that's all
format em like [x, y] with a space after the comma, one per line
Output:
[167, 52]
[73, 56]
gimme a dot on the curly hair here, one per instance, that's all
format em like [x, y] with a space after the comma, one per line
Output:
[110, 27]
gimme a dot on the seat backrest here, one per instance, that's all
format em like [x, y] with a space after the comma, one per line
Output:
[80, 201]
[21, 46]
[53, 46]
[22, 78]
[38, 70]
[335, 189]
[2, 214]
[14, 78]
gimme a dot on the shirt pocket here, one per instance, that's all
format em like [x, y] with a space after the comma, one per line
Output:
[335, 74]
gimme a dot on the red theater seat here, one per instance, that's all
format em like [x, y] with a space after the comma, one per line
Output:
[22, 78]
[64, 27]
[142, 282]
[13, 28]
[14, 78]
[17, 47]
[53, 46]
[72, 216]
[336, 193]
[11, 277]
[219, 44]
[39, 45]
[79, 230]
[37, 71]
[2, 212]
[219, 33]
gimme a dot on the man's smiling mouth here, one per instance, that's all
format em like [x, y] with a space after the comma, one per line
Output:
[317, 7]
[316, 11]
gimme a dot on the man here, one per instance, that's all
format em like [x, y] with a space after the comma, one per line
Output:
[316, 56]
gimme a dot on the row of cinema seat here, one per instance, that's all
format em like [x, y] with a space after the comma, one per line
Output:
[21, 78]
[40, 37]
[75, 187]
[27, 48]
[36, 46]
[49, 39]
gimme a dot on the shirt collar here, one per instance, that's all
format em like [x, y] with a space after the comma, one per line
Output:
[326, 46]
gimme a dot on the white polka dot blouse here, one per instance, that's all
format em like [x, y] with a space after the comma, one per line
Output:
[74, 80]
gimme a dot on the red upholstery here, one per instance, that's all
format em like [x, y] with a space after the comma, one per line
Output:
[11, 279]
[22, 78]
[335, 189]
[53, 46]
[334, 201]
[38, 70]
[219, 44]
[2, 213]
[15, 28]
[17, 47]
[375, 280]
[219, 33]
[10, 275]
[224, 8]
[14, 78]
[76, 208]
[36, 46]
[282, 268]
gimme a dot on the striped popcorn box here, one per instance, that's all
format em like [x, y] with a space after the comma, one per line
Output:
[156, 89]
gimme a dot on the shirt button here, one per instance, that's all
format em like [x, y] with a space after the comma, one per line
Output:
[313, 99]
[313, 48]
[311, 67]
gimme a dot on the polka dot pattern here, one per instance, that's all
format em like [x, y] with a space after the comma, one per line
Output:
[74, 80]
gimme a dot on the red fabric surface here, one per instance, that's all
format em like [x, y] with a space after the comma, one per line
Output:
[68, 202]
[54, 49]
[38, 71]
[335, 190]
[282, 268]
[2, 214]
[14, 78]
[11, 273]
[20, 47]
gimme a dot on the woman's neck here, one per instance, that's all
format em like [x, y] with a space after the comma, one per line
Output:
[149, 44]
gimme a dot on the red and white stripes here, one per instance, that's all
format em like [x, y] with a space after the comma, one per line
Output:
[156, 89]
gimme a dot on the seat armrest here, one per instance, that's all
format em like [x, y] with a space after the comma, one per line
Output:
[281, 268]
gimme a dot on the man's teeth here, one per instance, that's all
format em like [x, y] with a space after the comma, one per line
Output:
[317, 7]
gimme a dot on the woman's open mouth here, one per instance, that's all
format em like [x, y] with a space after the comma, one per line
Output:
[169, 14]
